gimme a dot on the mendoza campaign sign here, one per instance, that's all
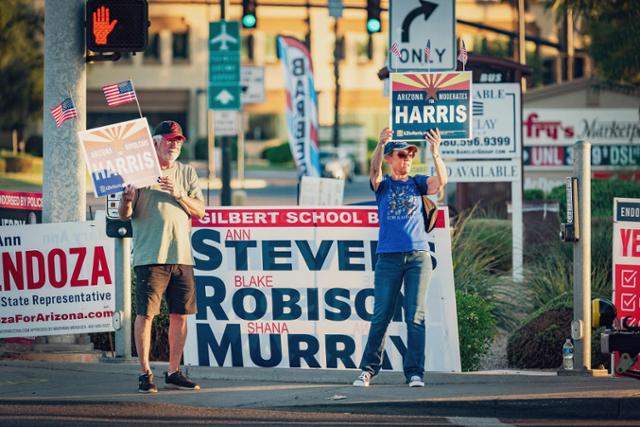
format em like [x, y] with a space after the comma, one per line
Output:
[293, 288]
[424, 101]
[496, 125]
[302, 105]
[56, 279]
[120, 154]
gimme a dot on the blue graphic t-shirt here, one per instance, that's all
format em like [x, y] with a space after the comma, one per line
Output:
[399, 209]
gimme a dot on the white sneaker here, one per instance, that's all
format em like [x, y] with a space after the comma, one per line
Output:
[416, 381]
[363, 380]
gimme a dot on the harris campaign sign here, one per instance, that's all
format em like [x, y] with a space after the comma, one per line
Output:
[424, 101]
[120, 154]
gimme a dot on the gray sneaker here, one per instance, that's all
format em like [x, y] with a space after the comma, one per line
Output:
[363, 380]
[416, 381]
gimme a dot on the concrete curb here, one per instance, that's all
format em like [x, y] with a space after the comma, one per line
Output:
[574, 408]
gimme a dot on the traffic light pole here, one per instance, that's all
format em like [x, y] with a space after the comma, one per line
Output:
[63, 175]
[225, 142]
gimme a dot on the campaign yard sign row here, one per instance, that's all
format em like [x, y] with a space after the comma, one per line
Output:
[293, 287]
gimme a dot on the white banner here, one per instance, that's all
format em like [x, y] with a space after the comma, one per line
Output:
[478, 170]
[56, 279]
[563, 126]
[293, 287]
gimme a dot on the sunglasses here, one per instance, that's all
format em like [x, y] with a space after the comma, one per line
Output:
[405, 155]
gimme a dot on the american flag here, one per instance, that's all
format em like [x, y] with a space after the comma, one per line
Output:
[427, 52]
[119, 93]
[463, 56]
[395, 50]
[64, 111]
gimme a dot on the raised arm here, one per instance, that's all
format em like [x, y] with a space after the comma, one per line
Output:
[375, 171]
[436, 183]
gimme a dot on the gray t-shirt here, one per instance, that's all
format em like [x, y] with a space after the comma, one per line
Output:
[161, 227]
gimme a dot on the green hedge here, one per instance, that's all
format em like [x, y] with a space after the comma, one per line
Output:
[476, 329]
[278, 154]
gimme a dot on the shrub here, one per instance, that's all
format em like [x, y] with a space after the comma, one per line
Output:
[3, 165]
[481, 251]
[533, 194]
[476, 329]
[278, 154]
[18, 163]
[201, 151]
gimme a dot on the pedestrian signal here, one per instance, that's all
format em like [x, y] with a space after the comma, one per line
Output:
[117, 25]
[249, 18]
[374, 25]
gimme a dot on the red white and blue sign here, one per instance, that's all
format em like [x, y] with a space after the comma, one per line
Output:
[425, 101]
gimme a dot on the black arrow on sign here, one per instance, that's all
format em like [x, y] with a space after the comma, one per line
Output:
[426, 8]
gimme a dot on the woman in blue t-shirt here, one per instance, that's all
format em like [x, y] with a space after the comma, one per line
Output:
[403, 252]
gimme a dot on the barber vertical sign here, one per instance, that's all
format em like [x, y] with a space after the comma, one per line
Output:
[626, 262]
[302, 105]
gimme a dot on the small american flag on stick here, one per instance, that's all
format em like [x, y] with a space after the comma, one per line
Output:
[119, 93]
[463, 56]
[64, 111]
[395, 50]
[427, 52]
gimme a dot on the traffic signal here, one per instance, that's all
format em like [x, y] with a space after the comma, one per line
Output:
[374, 25]
[117, 25]
[249, 18]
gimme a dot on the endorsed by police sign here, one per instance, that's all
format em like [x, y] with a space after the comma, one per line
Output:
[424, 101]
[293, 288]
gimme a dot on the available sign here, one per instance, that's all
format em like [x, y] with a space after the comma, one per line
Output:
[424, 101]
[120, 154]
[601, 155]
[499, 170]
[18, 208]
[626, 260]
[555, 126]
[292, 287]
[496, 124]
[56, 279]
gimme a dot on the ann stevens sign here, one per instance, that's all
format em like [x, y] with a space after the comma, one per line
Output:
[293, 287]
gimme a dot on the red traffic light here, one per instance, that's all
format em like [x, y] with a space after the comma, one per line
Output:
[117, 25]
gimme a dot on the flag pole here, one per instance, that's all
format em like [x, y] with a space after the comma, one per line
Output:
[136, 96]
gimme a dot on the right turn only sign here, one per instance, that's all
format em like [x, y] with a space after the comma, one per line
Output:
[413, 23]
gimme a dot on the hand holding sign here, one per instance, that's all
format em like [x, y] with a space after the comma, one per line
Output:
[385, 136]
[433, 136]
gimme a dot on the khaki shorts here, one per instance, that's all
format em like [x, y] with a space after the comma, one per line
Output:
[176, 281]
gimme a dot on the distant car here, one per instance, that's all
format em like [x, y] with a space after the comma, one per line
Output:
[335, 164]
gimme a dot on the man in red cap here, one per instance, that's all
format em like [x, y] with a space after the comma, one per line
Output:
[161, 221]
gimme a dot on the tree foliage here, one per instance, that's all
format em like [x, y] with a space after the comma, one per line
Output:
[614, 29]
[21, 63]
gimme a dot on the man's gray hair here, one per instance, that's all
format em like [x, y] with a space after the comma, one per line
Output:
[157, 138]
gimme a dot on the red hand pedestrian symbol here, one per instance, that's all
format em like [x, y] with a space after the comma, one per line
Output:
[101, 25]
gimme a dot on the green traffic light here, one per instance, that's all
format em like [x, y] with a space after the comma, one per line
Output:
[373, 25]
[249, 21]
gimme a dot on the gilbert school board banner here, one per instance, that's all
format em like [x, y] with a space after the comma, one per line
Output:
[424, 101]
[120, 154]
[292, 287]
[56, 279]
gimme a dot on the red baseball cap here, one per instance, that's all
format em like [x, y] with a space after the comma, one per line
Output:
[169, 130]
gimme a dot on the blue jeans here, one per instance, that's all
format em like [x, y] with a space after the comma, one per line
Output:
[414, 268]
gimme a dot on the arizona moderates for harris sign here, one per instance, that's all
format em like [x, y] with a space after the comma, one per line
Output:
[424, 101]
[293, 287]
[56, 279]
[120, 154]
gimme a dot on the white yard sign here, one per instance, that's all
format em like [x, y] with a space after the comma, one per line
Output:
[56, 279]
[292, 287]
[415, 22]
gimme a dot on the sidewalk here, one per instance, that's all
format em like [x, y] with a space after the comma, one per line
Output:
[485, 394]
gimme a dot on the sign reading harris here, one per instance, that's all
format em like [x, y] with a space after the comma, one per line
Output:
[424, 101]
[292, 287]
[120, 154]
[19, 208]
[56, 279]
